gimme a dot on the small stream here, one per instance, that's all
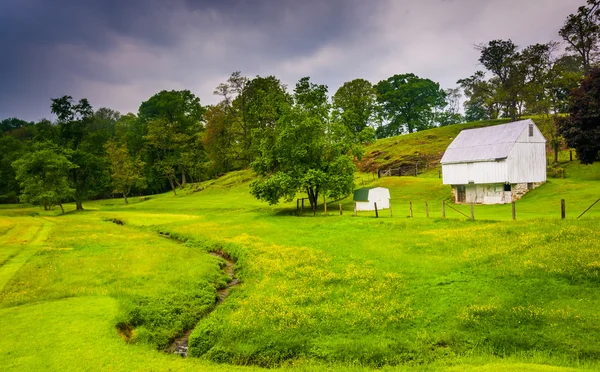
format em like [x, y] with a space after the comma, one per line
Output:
[180, 345]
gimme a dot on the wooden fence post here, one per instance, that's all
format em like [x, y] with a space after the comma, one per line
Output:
[391, 209]
[563, 211]
[340, 209]
[354, 209]
[570, 155]
[472, 213]
[410, 206]
[376, 212]
[426, 209]
[443, 209]
[514, 211]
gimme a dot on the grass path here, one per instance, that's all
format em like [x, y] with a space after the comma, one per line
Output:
[20, 244]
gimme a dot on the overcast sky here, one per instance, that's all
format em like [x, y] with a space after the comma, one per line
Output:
[118, 53]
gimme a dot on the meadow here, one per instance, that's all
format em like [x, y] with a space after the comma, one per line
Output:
[338, 292]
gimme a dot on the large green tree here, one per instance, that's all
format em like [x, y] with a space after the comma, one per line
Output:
[90, 177]
[125, 171]
[305, 154]
[218, 139]
[581, 129]
[501, 58]
[247, 112]
[167, 142]
[355, 106]
[407, 103]
[266, 99]
[44, 176]
[171, 120]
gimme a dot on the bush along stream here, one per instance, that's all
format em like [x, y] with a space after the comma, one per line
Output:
[168, 319]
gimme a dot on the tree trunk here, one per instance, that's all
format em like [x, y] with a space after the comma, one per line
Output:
[61, 208]
[177, 182]
[125, 197]
[183, 179]
[310, 198]
[172, 186]
[78, 205]
[313, 197]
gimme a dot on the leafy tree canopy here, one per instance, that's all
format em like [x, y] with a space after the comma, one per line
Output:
[581, 129]
[125, 171]
[44, 176]
[354, 105]
[175, 106]
[407, 102]
[306, 153]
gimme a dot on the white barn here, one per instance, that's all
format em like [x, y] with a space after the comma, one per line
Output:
[365, 198]
[495, 165]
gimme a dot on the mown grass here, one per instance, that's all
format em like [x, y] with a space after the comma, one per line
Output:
[394, 291]
[325, 292]
[163, 288]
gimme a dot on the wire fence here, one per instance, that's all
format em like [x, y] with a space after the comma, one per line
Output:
[469, 211]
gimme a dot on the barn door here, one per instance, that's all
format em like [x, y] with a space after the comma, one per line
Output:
[461, 194]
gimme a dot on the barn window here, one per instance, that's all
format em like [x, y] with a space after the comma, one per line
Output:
[530, 130]
[507, 187]
[529, 186]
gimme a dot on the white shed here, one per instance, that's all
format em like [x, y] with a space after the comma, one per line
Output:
[495, 165]
[366, 198]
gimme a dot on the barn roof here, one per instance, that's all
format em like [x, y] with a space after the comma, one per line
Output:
[363, 194]
[484, 144]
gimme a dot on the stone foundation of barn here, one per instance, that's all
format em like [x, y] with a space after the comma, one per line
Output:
[497, 193]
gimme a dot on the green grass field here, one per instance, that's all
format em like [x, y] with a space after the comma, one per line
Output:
[79, 292]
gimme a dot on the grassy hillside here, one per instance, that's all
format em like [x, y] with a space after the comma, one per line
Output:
[330, 291]
[425, 148]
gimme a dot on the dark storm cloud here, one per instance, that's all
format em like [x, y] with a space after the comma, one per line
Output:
[55, 47]
[118, 53]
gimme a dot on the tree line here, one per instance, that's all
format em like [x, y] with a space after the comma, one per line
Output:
[297, 141]
[303, 140]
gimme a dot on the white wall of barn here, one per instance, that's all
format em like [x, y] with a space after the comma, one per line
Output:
[487, 194]
[527, 163]
[477, 172]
